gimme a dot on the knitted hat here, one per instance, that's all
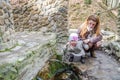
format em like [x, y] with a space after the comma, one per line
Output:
[73, 36]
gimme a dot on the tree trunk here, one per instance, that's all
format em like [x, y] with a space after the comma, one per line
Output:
[118, 24]
[112, 3]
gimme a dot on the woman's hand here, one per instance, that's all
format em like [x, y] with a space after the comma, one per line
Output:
[86, 41]
[99, 43]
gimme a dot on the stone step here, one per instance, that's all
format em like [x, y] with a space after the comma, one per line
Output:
[33, 50]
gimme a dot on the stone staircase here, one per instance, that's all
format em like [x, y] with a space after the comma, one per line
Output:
[29, 55]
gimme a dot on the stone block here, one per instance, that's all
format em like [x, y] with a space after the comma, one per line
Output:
[1, 12]
[1, 20]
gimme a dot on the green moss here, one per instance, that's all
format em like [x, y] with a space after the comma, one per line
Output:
[52, 67]
[9, 49]
[11, 71]
[87, 1]
[8, 72]
[5, 50]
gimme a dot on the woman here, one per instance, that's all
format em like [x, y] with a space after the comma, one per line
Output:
[89, 33]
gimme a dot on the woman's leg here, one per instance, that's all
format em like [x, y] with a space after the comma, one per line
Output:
[91, 49]
[92, 52]
[94, 47]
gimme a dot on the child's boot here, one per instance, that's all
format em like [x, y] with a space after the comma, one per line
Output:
[82, 60]
[71, 57]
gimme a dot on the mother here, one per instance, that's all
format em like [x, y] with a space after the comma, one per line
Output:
[89, 33]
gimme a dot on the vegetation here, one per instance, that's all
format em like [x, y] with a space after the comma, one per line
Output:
[9, 49]
[56, 69]
[8, 72]
[87, 1]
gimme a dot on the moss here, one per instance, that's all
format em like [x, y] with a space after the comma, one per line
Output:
[87, 1]
[50, 68]
[5, 50]
[9, 49]
[8, 72]
[11, 71]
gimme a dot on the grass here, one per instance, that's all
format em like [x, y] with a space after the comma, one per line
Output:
[9, 49]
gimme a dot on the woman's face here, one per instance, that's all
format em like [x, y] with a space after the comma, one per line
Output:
[91, 25]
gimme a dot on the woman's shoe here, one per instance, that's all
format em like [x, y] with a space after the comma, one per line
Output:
[93, 54]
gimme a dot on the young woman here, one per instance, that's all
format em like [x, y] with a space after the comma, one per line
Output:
[89, 33]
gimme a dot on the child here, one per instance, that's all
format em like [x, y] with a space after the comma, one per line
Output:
[74, 50]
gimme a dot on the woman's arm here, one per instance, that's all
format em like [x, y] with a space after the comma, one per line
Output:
[96, 39]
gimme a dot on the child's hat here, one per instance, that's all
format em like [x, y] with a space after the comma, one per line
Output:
[73, 37]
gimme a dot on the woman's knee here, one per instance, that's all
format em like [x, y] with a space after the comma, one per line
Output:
[90, 45]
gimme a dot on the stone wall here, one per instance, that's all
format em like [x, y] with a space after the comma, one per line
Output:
[6, 25]
[34, 14]
[42, 15]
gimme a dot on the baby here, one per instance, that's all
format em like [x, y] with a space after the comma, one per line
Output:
[74, 49]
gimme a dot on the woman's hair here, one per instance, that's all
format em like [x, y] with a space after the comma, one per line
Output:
[85, 24]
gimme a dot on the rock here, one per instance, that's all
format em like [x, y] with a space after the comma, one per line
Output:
[2, 20]
[118, 69]
[35, 17]
[6, 15]
[35, 8]
[16, 48]
[1, 12]
[73, 31]
[21, 42]
[7, 21]
[117, 54]
[108, 36]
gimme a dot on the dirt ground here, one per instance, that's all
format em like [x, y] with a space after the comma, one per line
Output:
[78, 12]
